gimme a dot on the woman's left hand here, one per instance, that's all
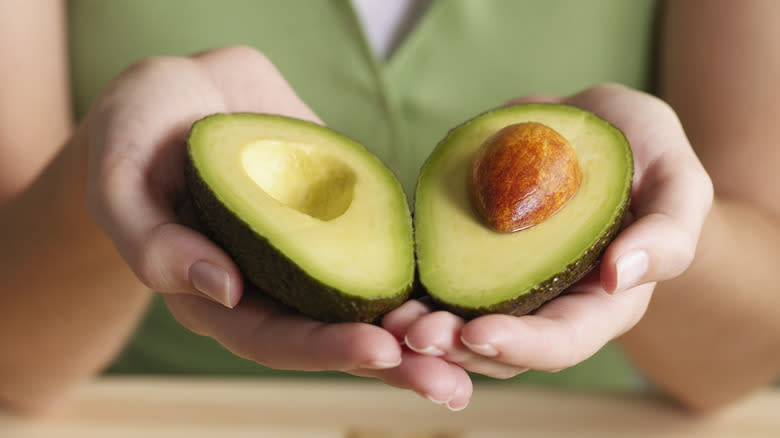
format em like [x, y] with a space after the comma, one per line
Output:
[671, 197]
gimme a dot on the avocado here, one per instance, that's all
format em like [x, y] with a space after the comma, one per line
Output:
[310, 216]
[473, 268]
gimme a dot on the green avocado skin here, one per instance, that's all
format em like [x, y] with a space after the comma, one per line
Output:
[548, 289]
[271, 271]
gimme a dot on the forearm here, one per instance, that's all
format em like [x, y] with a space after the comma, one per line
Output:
[35, 111]
[712, 334]
[68, 301]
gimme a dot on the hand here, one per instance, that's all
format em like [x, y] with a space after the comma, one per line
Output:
[671, 197]
[136, 194]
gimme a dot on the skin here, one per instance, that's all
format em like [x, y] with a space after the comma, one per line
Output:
[39, 57]
[122, 227]
[710, 334]
[119, 211]
[732, 284]
[85, 298]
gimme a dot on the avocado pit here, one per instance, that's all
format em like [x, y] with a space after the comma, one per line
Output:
[522, 175]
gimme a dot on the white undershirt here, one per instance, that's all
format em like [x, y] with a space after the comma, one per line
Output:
[385, 22]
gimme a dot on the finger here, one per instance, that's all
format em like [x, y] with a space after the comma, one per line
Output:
[439, 334]
[249, 81]
[178, 259]
[433, 378]
[261, 330]
[671, 199]
[535, 98]
[398, 320]
[136, 178]
[664, 161]
[165, 256]
[463, 390]
[638, 255]
[671, 193]
[564, 332]
[139, 149]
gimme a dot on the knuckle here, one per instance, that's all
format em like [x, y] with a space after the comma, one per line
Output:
[106, 183]
[606, 91]
[569, 359]
[571, 350]
[145, 268]
[505, 373]
[152, 64]
[248, 54]
[687, 254]
[268, 357]
[684, 246]
[672, 255]
[149, 265]
[114, 95]
[441, 316]
[661, 105]
[144, 67]
[708, 188]
[95, 200]
[612, 87]
[188, 310]
[533, 98]
[186, 319]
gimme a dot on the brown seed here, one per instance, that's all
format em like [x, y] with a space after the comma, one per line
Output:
[522, 175]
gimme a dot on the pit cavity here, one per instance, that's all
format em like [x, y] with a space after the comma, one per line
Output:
[301, 177]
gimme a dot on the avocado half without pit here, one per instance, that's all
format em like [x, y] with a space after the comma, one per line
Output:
[310, 217]
[515, 205]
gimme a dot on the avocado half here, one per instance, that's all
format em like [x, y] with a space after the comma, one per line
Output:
[472, 270]
[310, 217]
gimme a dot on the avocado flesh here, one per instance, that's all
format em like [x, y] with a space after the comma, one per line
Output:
[310, 216]
[472, 270]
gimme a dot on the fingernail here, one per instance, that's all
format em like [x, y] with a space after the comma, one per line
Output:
[631, 268]
[483, 349]
[428, 351]
[212, 281]
[381, 365]
[438, 402]
[454, 408]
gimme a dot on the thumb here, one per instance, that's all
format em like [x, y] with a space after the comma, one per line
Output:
[136, 133]
[248, 81]
[166, 255]
[176, 259]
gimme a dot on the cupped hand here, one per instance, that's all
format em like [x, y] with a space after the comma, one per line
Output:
[136, 194]
[671, 197]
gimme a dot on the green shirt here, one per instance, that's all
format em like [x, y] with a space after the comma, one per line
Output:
[462, 58]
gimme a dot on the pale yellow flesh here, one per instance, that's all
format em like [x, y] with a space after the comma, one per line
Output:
[301, 177]
[336, 213]
[466, 262]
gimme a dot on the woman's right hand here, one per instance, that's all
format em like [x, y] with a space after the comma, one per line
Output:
[136, 194]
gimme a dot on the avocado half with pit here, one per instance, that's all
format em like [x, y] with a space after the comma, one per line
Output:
[471, 265]
[310, 217]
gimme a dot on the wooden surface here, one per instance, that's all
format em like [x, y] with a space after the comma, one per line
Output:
[167, 407]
